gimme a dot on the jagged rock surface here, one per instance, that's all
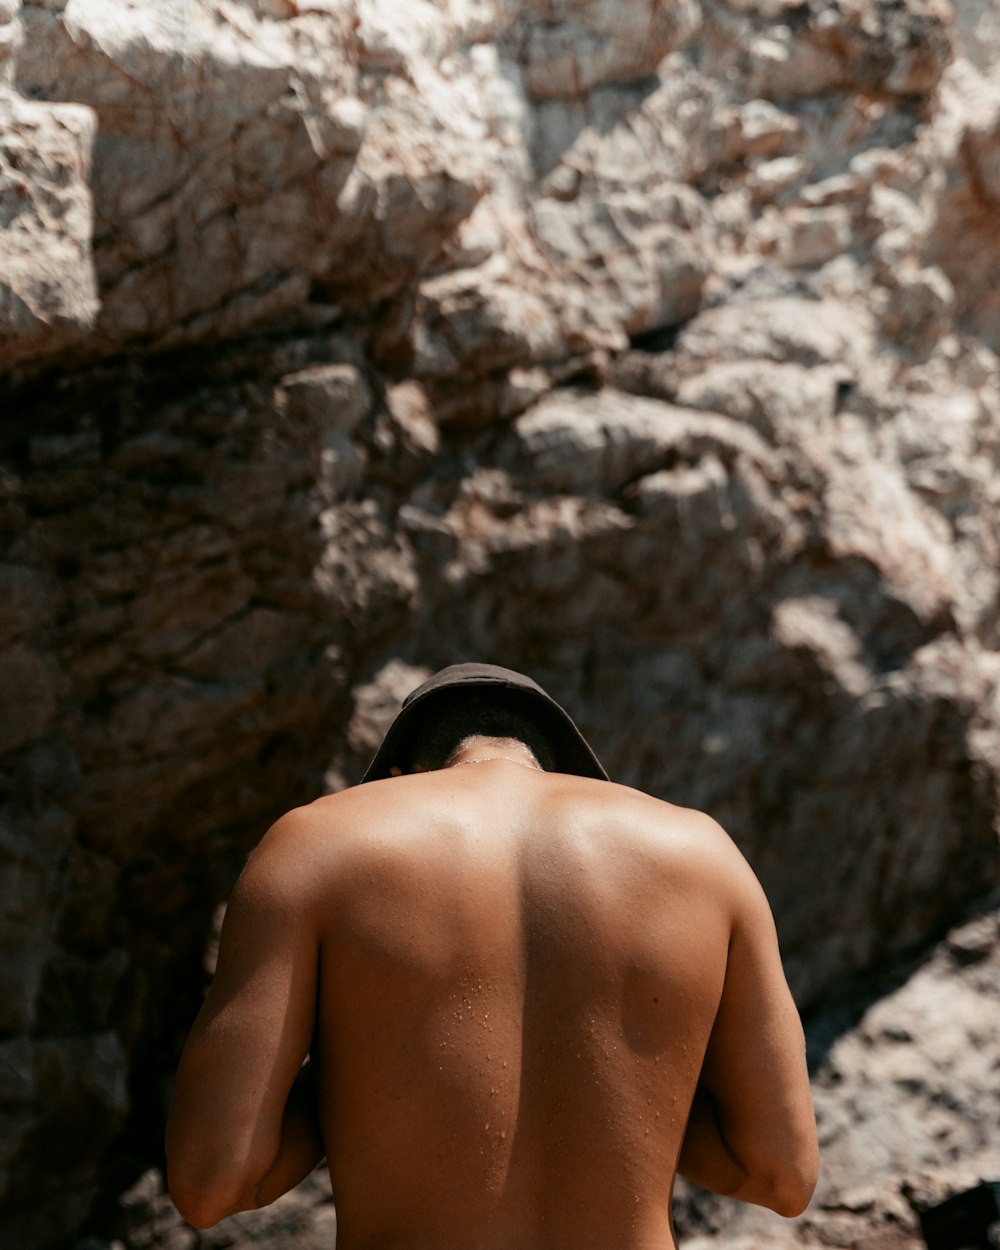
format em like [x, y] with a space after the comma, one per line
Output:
[906, 1093]
[650, 347]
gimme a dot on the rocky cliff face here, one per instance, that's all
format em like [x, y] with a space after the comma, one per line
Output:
[649, 347]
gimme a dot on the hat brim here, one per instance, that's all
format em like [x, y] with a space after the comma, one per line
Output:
[571, 751]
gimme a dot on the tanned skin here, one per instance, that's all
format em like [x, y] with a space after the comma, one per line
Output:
[528, 1000]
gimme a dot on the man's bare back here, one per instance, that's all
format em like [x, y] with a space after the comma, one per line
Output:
[528, 999]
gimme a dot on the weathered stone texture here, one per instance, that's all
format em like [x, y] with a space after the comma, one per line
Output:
[48, 295]
[160, 672]
[649, 347]
[906, 1096]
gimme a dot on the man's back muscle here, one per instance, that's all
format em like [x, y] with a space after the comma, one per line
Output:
[519, 973]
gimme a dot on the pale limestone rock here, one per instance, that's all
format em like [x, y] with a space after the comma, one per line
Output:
[905, 1096]
[782, 329]
[48, 291]
[977, 34]
[870, 513]
[470, 325]
[812, 236]
[776, 399]
[11, 34]
[590, 42]
[365, 567]
[205, 136]
[581, 442]
[336, 396]
[917, 302]
[237, 164]
[376, 703]
[812, 623]
[411, 414]
[783, 50]
[770, 178]
[642, 256]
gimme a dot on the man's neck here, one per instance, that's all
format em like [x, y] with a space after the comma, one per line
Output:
[481, 749]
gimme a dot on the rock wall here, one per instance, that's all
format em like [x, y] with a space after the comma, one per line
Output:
[649, 347]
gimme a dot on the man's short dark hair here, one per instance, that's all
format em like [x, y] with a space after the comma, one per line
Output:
[457, 714]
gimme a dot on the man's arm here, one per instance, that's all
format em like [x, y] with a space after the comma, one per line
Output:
[243, 1127]
[752, 1133]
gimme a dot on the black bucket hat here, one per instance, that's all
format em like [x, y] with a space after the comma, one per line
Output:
[571, 750]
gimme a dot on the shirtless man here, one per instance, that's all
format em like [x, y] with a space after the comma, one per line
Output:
[528, 996]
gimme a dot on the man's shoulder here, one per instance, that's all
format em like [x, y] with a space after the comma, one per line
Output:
[684, 838]
[372, 818]
[300, 848]
[349, 827]
[653, 814]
